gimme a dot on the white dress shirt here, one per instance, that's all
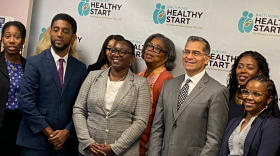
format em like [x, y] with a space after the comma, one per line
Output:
[56, 60]
[194, 80]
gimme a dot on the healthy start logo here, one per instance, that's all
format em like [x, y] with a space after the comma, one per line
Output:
[138, 48]
[246, 23]
[83, 7]
[220, 60]
[98, 9]
[176, 16]
[259, 24]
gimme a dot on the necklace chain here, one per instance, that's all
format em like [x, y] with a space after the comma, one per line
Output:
[117, 80]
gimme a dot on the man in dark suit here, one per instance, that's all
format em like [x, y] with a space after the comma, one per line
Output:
[48, 92]
[191, 113]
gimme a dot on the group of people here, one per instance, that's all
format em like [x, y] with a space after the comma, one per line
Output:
[51, 105]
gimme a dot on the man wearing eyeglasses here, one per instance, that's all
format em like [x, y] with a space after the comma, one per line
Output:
[192, 110]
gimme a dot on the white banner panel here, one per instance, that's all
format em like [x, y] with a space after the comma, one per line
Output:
[231, 27]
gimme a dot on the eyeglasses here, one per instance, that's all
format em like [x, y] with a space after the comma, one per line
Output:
[121, 52]
[246, 92]
[108, 49]
[154, 48]
[194, 53]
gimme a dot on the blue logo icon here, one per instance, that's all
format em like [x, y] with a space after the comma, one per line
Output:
[159, 15]
[83, 8]
[43, 30]
[246, 22]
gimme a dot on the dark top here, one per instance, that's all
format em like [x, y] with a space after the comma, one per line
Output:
[5, 84]
[263, 139]
[93, 67]
[235, 110]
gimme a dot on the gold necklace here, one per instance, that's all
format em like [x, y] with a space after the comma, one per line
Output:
[237, 100]
[117, 80]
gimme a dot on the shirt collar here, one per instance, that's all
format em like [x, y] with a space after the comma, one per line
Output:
[56, 57]
[196, 78]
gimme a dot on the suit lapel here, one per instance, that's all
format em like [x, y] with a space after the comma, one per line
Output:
[70, 67]
[102, 85]
[53, 69]
[251, 135]
[177, 87]
[3, 65]
[123, 91]
[199, 87]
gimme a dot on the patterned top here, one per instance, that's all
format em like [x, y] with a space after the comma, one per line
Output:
[15, 73]
[152, 78]
[237, 138]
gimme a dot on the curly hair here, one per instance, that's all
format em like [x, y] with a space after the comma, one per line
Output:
[262, 65]
[271, 90]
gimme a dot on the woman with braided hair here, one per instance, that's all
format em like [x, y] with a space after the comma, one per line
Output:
[258, 132]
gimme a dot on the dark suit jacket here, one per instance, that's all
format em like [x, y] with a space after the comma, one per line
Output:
[43, 103]
[263, 138]
[5, 84]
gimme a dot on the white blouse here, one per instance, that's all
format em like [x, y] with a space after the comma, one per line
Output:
[111, 92]
[237, 138]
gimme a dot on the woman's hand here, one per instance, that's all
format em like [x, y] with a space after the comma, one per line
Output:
[106, 149]
[95, 149]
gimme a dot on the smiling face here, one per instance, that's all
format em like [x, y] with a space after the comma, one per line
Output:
[109, 45]
[246, 68]
[12, 40]
[152, 59]
[254, 105]
[194, 64]
[61, 35]
[121, 63]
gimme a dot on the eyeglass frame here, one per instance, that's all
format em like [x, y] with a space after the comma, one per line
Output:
[118, 51]
[153, 48]
[251, 93]
[184, 53]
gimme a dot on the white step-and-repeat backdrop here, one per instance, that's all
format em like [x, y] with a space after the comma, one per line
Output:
[231, 27]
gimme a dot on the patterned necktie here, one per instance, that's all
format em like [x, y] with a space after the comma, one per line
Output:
[183, 94]
[60, 72]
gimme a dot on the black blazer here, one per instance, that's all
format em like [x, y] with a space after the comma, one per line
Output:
[5, 83]
[263, 138]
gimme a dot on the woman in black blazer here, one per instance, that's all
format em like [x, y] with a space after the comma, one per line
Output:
[257, 133]
[11, 69]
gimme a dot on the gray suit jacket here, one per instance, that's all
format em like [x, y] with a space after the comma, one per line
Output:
[123, 125]
[198, 128]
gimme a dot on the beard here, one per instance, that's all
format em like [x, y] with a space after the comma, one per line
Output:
[59, 48]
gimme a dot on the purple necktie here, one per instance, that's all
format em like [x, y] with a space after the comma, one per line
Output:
[60, 72]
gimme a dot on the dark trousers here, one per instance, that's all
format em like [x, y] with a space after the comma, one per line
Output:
[8, 133]
[70, 148]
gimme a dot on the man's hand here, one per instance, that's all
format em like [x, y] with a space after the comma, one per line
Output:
[58, 137]
[48, 131]
[94, 149]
